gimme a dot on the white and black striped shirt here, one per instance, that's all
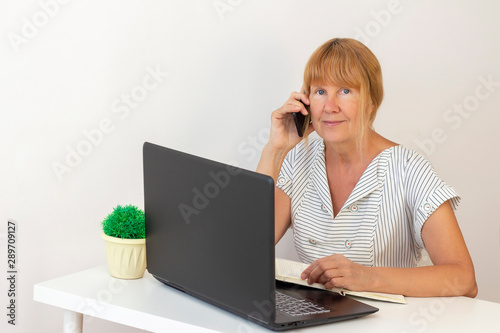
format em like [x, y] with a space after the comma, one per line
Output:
[380, 223]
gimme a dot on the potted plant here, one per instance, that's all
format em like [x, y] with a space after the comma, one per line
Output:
[124, 234]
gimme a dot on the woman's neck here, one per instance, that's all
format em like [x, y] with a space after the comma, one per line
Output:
[351, 154]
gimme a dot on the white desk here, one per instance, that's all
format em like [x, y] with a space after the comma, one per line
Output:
[148, 304]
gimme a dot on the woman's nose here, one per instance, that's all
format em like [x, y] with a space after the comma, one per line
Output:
[332, 105]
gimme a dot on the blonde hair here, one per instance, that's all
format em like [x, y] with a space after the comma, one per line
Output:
[348, 63]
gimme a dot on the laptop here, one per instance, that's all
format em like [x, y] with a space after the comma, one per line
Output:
[210, 234]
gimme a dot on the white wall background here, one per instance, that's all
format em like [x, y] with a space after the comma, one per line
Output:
[70, 68]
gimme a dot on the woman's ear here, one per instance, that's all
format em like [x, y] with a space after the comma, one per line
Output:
[371, 108]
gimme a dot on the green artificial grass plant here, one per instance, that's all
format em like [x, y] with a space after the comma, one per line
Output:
[125, 222]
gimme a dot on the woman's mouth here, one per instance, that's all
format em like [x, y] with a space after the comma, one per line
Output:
[332, 123]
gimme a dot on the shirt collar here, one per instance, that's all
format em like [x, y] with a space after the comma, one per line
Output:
[370, 181]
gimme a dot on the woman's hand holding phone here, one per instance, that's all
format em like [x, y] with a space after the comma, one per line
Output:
[287, 122]
[283, 136]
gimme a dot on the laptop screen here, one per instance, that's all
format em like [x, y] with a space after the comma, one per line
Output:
[210, 230]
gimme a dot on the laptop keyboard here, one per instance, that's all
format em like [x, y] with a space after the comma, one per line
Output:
[297, 307]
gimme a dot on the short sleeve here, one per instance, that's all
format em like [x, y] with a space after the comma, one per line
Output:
[425, 192]
[285, 177]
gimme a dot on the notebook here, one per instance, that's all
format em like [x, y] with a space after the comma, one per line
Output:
[290, 271]
[210, 234]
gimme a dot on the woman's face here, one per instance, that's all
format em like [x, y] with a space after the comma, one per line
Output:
[334, 112]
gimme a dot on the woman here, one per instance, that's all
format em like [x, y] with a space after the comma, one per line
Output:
[361, 206]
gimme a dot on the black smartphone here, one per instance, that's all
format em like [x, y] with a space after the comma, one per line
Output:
[301, 121]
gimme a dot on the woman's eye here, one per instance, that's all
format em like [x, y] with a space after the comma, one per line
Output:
[320, 92]
[345, 91]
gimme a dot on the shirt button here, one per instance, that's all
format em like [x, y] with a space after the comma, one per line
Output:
[354, 208]
[427, 207]
[323, 208]
[281, 180]
[313, 242]
[348, 244]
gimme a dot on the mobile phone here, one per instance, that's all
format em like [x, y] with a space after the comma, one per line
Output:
[301, 121]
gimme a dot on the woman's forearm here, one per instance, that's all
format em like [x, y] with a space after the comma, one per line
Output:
[270, 161]
[426, 281]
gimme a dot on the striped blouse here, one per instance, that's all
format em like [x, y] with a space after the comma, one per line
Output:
[380, 223]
